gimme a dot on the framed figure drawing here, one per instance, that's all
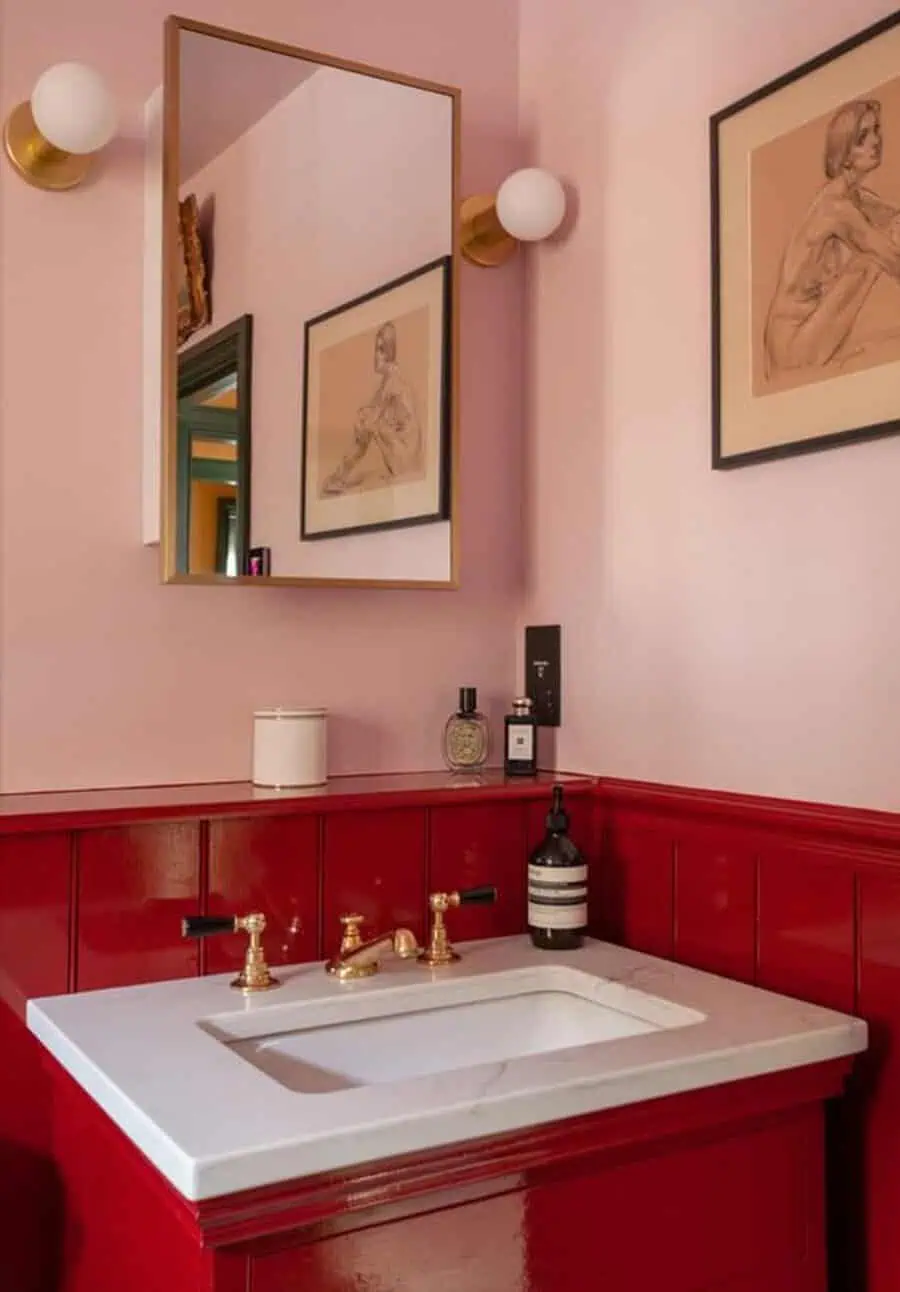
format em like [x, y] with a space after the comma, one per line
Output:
[376, 409]
[806, 256]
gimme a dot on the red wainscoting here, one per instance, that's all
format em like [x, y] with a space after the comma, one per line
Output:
[93, 887]
[799, 898]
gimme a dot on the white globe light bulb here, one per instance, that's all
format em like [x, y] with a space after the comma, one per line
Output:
[73, 109]
[531, 204]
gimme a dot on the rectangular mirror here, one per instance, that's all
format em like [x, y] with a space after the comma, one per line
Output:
[309, 236]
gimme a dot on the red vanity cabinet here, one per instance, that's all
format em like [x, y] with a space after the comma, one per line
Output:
[719, 1190]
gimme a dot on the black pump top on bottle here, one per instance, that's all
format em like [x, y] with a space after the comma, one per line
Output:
[557, 885]
[468, 699]
[557, 818]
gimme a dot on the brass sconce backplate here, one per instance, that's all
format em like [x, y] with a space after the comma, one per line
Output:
[36, 160]
[483, 239]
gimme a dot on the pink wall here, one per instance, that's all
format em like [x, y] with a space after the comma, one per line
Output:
[292, 243]
[734, 630]
[109, 678]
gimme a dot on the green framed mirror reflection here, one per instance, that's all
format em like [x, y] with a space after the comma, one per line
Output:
[214, 452]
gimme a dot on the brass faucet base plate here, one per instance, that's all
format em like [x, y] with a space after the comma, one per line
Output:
[241, 984]
[435, 961]
[347, 972]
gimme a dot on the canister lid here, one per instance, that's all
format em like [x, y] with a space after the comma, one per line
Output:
[289, 713]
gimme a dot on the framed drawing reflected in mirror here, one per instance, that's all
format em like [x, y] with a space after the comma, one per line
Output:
[376, 409]
[193, 296]
[806, 256]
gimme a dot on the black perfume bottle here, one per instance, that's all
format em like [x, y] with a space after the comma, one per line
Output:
[557, 885]
[520, 739]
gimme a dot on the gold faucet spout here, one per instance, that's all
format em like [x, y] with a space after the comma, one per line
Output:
[361, 960]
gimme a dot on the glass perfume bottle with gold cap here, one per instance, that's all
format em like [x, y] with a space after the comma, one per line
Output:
[466, 735]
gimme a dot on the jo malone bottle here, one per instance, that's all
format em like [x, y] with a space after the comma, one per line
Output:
[520, 740]
[466, 734]
[557, 886]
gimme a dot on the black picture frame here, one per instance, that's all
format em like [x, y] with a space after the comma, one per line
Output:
[439, 509]
[879, 419]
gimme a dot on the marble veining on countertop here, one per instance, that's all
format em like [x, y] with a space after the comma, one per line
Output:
[153, 1058]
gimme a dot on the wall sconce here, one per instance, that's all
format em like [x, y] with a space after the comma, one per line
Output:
[529, 206]
[52, 140]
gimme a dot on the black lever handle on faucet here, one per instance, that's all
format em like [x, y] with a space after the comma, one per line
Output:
[486, 894]
[201, 926]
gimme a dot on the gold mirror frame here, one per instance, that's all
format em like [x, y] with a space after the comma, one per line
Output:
[171, 169]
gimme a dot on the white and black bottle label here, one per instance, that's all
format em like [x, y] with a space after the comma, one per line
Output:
[557, 896]
[520, 743]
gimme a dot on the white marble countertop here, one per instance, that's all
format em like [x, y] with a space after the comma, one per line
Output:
[155, 1057]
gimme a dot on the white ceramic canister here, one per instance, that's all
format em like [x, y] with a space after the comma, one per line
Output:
[289, 747]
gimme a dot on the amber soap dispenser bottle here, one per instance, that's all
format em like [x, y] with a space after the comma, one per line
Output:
[557, 885]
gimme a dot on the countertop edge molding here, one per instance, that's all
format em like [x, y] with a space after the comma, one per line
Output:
[84, 809]
[247, 1215]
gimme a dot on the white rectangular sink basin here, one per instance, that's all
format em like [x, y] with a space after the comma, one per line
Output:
[428, 1030]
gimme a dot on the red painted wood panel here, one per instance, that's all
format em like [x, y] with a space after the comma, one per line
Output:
[374, 864]
[31, 1201]
[737, 1212]
[34, 955]
[637, 880]
[134, 886]
[474, 845]
[119, 1230]
[879, 1002]
[715, 905]
[34, 916]
[731, 1177]
[268, 864]
[807, 926]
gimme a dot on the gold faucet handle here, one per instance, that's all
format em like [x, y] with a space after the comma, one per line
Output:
[351, 938]
[255, 975]
[439, 951]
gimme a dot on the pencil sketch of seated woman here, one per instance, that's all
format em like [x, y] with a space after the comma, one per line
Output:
[846, 241]
[387, 435]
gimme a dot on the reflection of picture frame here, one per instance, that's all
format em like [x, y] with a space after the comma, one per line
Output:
[193, 298]
[806, 256]
[376, 409]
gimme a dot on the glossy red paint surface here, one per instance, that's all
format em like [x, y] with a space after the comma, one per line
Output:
[80, 809]
[118, 1228]
[826, 929]
[715, 905]
[134, 886]
[375, 865]
[35, 874]
[807, 927]
[672, 879]
[637, 887]
[30, 1194]
[268, 864]
[879, 1001]
[475, 845]
[730, 1177]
